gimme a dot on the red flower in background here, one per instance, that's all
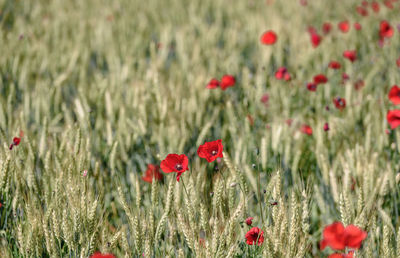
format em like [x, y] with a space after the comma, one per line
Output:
[303, 2]
[213, 84]
[344, 26]
[269, 38]
[320, 79]
[334, 65]
[227, 81]
[311, 86]
[315, 39]
[354, 236]
[375, 6]
[338, 237]
[394, 95]
[389, 4]
[100, 255]
[362, 11]
[350, 54]
[175, 163]
[326, 27]
[249, 221]
[340, 103]
[152, 171]
[385, 30]
[15, 142]
[253, 234]
[326, 127]
[282, 73]
[211, 150]
[357, 26]
[306, 129]
[393, 118]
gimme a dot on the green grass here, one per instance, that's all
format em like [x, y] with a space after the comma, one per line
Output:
[111, 86]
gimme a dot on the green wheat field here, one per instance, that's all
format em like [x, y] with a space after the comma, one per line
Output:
[94, 91]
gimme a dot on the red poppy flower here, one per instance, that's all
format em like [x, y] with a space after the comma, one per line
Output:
[334, 65]
[375, 6]
[253, 234]
[282, 73]
[359, 84]
[350, 54]
[175, 163]
[326, 27]
[326, 127]
[385, 30]
[279, 74]
[394, 95]
[211, 150]
[344, 26]
[315, 39]
[357, 26]
[249, 221]
[152, 171]
[1, 205]
[16, 141]
[362, 11]
[398, 62]
[393, 118]
[100, 255]
[389, 4]
[340, 103]
[227, 81]
[269, 38]
[338, 237]
[306, 129]
[320, 79]
[354, 236]
[287, 77]
[213, 84]
[312, 86]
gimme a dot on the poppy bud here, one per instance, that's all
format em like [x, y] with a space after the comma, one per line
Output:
[249, 221]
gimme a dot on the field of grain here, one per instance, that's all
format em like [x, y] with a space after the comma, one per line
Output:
[95, 94]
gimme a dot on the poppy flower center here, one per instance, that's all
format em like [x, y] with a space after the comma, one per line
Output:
[214, 152]
[178, 167]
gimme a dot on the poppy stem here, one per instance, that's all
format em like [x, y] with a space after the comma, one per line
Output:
[259, 192]
[184, 187]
